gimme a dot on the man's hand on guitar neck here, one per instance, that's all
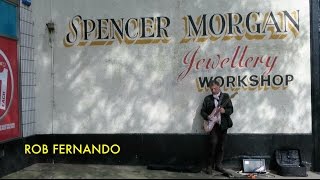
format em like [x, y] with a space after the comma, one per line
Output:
[222, 110]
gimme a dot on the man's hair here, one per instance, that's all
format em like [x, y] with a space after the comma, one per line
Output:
[214, 82]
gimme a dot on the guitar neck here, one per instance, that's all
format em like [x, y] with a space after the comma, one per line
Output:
[225, 103]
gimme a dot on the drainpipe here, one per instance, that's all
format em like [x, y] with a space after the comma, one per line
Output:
[51, 29]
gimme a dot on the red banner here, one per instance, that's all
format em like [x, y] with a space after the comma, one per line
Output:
[9, 90]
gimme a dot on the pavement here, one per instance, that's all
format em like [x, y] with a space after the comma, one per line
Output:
[98, 171]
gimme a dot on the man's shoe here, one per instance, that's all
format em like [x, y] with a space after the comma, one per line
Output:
[220, 169]
[209, 170]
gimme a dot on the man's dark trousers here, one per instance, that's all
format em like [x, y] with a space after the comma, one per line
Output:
[217, 140]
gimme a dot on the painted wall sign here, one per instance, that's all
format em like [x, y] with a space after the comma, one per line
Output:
[145, 69]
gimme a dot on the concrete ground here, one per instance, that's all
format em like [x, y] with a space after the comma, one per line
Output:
[95, 171]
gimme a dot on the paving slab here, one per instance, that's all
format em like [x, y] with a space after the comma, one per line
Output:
[98, 171]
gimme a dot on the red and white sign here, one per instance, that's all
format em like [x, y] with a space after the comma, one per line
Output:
[9, 94]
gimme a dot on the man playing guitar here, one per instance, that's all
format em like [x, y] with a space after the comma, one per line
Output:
[217, 117]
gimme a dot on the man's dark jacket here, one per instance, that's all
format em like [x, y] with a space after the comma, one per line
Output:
[208, 105]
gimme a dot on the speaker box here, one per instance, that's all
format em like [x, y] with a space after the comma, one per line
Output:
[289, 163]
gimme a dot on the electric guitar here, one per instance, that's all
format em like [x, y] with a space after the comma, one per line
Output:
[215, 115]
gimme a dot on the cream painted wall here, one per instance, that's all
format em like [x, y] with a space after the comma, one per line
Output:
[122, 88]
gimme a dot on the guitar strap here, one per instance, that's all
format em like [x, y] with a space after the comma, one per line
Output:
[220, 99]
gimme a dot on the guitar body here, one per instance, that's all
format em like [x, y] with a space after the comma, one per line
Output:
[214, 118]
[215, 115]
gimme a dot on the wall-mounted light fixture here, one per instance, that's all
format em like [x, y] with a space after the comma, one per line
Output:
[50, 26]
[26, 2]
